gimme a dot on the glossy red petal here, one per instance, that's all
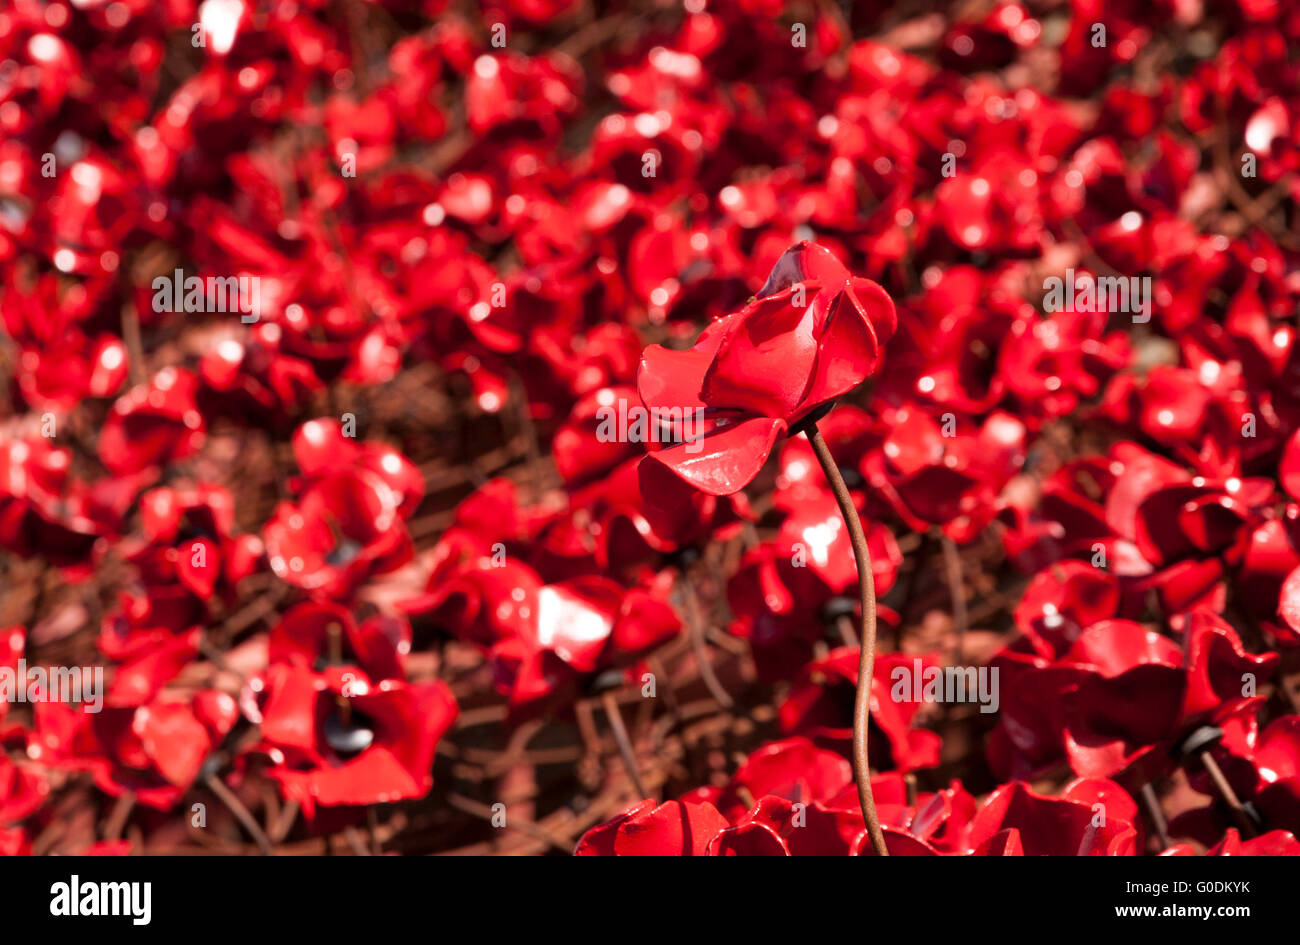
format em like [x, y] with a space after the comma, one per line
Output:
[722, 461]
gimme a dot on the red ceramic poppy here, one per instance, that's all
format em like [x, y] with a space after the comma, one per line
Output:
[308, 634]
[345, 527]
[153, 424]
[23, 789]
[812, 334]
[1141, 695]
[1273, 843]
[380, 749]
[1051, 826]
[817, 706]
[154, 750]
[671, 829]
[794, 769]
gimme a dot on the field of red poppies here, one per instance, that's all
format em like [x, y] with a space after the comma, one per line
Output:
[719, 427]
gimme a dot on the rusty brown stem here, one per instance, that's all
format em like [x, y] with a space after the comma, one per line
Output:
[236, 807]
[1229, 796]
[625, 747]
[956, 591]
[867, 657]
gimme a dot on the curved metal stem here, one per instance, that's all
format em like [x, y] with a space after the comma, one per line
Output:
[867, 651]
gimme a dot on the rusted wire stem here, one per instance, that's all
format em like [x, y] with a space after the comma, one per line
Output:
[867, 658]
[624, 742]
[236, 806]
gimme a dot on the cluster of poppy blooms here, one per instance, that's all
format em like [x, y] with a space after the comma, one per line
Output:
[744, 209]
